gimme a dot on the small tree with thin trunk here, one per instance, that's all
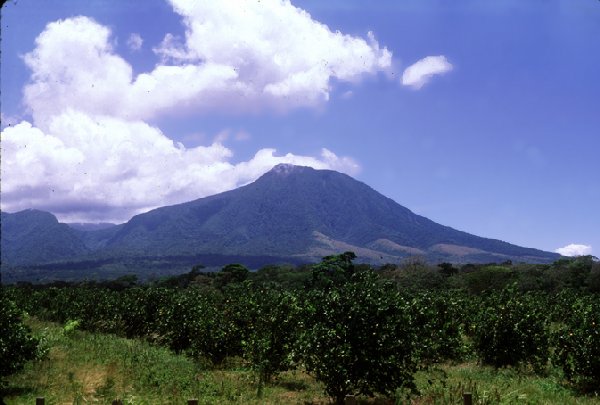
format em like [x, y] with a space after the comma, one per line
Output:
[271, 332]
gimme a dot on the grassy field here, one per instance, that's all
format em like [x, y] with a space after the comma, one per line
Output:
[81, 368]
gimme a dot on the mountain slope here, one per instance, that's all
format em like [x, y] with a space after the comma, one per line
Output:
[33, 236]
[289, 212]
[299, 211]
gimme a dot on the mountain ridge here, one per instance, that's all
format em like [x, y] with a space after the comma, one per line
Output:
[297, 212]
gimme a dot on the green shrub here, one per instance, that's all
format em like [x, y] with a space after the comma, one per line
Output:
[437, 319]
[577, 344]
[143, 309]
[272, 331]
[358, 338]
[70, 327]
[511, 329]
[201, 323]
[17, 346]
[487, 278]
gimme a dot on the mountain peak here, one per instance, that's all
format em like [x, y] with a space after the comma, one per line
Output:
[288, 168]
[292, 212]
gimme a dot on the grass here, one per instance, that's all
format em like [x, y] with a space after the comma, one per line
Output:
[81, 368]
[445, 384]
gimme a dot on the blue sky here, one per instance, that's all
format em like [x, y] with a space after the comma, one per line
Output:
[484, 116]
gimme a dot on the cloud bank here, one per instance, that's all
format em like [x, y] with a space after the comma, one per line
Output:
[90, 153]
[575, 250]
[240, 56]
[127, 168]
[421, 72]
[277, 51]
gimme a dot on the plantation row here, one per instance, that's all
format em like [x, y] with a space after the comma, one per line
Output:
[355, 331]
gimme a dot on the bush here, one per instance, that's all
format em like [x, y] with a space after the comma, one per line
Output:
[271, 332]
[143, 310]
[358, 338]
[577, 344]
[487, 278]
[201, 323]
[70, 327]
[437, 318]
[17, 346]
[511, 329]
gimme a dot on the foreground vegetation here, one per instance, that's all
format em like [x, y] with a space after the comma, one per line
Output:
[83, 367]
[306, 335]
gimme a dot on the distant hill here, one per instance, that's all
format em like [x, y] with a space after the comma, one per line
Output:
[33, 236]
[302, 212]
[291, 211]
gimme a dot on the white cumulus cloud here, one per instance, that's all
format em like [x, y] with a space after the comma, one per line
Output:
[419, 73]
[73, 64]
[105, 168]
[89, 153]
[280, 54]
[236, 56]
[575, 250]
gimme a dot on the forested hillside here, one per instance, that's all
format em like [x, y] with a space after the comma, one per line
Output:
[291, 214]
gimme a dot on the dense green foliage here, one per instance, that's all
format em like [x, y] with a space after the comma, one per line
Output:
[439, 319]
[358, 336]
[578, 344]
[275, 319]
[17, 346]
[512, 329]
[356, 329]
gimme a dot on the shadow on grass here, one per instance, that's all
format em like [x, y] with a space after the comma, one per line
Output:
[293, 385]
[12, 391]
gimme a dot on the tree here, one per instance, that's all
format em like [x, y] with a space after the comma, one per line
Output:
[437, 316]
[572, 272]
[357, 335]
[593, 279]
[201, 323]
[487, 278]
[272, 331]
[232, 273]
[514, 332]
[447, 269]
[333, 270]
[17, 346]
[577, 344]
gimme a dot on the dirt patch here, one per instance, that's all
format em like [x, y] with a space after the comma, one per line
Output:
[91, 379]
[57, 354]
